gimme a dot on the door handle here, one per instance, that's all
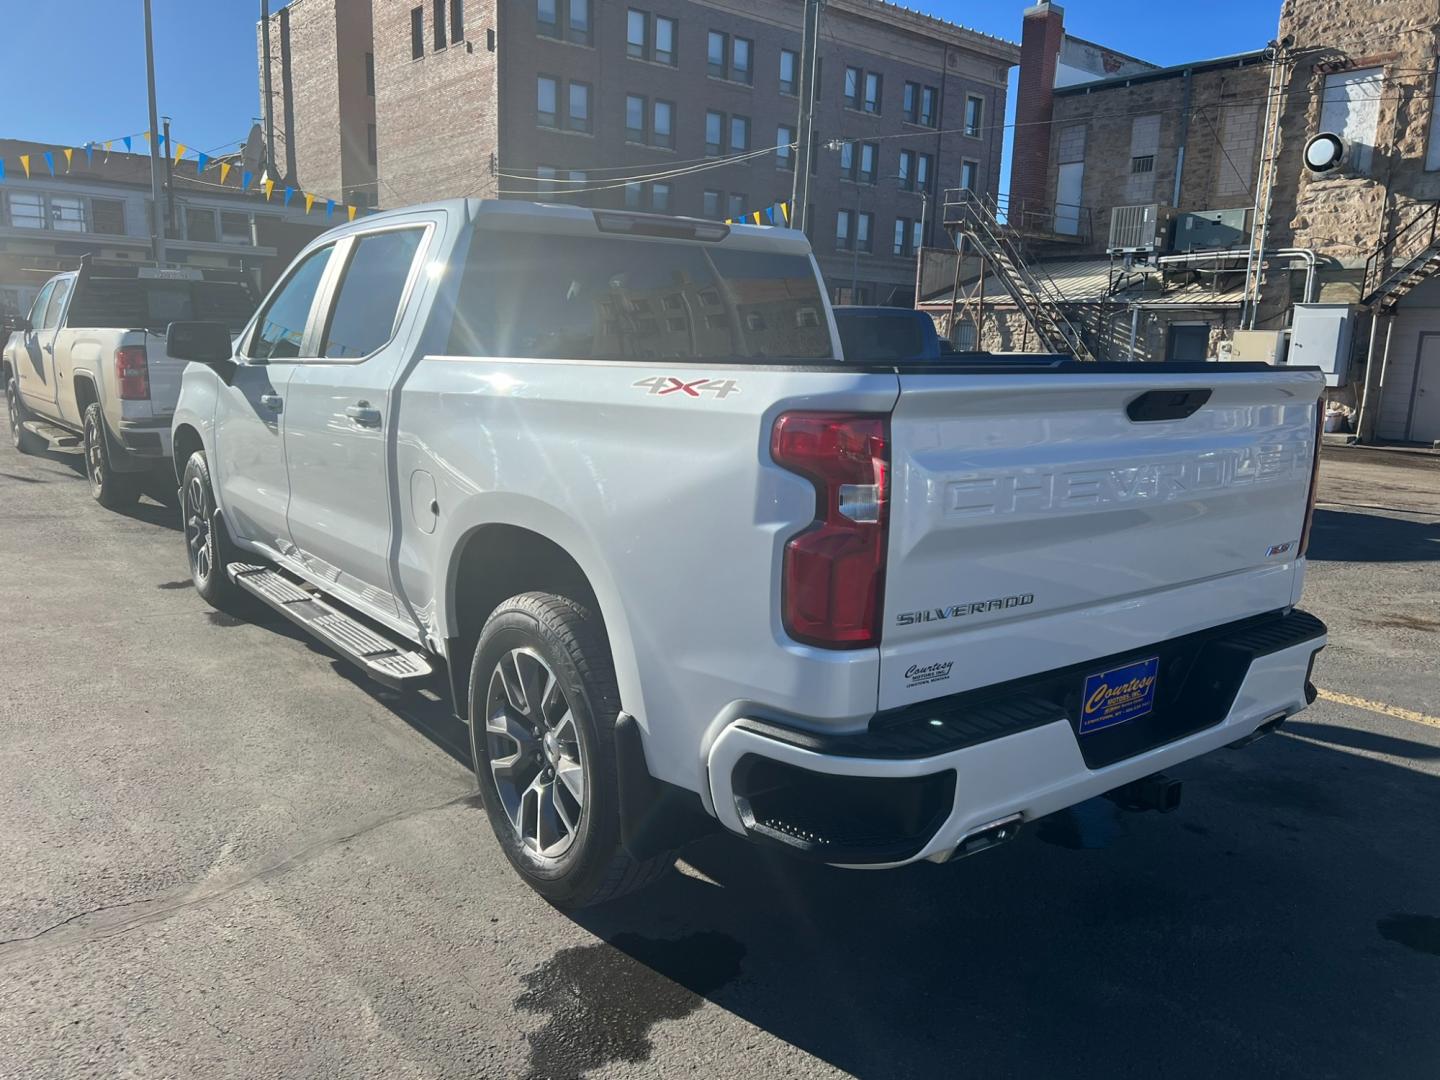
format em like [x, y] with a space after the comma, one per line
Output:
[48, 347]
[273, 402]
[363, 414]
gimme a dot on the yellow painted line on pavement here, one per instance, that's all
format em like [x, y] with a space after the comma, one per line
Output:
[1379, 707]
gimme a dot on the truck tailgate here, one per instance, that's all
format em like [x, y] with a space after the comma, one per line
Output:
[165, 373]
[1034, 524]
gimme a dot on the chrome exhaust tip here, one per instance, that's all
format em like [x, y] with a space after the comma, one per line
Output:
[986, 836]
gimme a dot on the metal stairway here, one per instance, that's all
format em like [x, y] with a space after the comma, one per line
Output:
[1410, 256]
[970, 215]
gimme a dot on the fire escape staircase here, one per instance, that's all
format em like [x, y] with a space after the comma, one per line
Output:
[972, 217]
[1410, 256]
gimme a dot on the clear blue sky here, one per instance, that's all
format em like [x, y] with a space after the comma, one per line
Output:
[74, 70]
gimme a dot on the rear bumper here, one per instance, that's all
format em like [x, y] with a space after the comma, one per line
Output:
[918, 782]
[147, 438]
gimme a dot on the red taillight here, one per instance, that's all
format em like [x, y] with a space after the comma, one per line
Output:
[834, 572]
[1314, 480]
[132, 373]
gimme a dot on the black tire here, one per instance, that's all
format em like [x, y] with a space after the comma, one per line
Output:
[21, 439]
[207, 545]
[112, 490]
[569, 642]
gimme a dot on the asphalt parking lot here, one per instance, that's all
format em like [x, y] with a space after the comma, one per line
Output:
[223, 855]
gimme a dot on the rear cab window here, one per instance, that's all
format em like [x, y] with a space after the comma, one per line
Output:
[566, 297]
[153, 304]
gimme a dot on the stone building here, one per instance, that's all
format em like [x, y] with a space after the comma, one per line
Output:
[572, 100]
[1365, 70]
[100, 206]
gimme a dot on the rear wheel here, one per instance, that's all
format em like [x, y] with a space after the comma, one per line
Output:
[207, 546]
[112, 490]
[21, 439]
[543, 704]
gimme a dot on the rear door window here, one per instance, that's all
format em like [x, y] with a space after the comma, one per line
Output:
[601, 298]
[56, 308]
[363, 316]
[37, 309]
[281, 329]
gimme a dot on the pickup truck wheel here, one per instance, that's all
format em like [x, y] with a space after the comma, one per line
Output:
[207, 547]
[21, 439]
[111, 489]
[543, 704]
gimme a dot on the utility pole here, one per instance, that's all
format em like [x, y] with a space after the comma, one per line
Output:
[265, 83]
[157, 230]
[805, 123]
[169, 179]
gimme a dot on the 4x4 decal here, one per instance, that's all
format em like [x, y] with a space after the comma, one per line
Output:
[668, 384]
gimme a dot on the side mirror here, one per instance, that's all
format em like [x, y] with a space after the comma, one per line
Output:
[15, 324]
[205, 343]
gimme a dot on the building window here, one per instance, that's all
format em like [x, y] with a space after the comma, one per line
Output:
[438, 26]
[789, 71]
[741, 52]
[578, 117]
[847, 160]
[970, 175]
[924, 172]
[634, 196]
[635, 109]
[1142, 164]
[637, 34]
[576, 190]
[842, 230]
[784, 152]
[457, 20]
[370, 73]
[67, 214]
[1144, 143]
[863, 223]
[917, 237]
[665, 34]
[372, 151]
[716, 48]
[660, 197]
[853, 77]
[905, 174]
[650, 38]
[1351, 108]
[735, 208]
[901, 243]
[910, 102]
[869, 157]
[714, 132]
[712, 202]
[547, 105]
[739, 133]
[871, 104]
[107, 216]
[928, 113]
[1239, 133]
[235, 228]
[974, 115]
[662, 131]
[417, 33]
[573, 15]
[200, 225]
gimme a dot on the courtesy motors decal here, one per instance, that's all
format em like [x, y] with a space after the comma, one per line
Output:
[923, 674]
[668, 385]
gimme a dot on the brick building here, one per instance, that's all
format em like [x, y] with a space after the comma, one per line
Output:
[565, 99]
[322, 83]
[101, 207]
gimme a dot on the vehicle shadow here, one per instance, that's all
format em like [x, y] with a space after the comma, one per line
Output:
[1272, 926]
[1343, 536]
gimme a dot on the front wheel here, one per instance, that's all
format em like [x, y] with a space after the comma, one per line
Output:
[21, 439]
[112, 490]
[207, 547]
[543, 704]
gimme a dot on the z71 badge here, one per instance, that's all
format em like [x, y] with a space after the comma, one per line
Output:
[668, 384]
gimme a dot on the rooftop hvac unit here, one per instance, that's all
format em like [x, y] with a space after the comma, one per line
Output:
[1213, 230]
[1139, 230]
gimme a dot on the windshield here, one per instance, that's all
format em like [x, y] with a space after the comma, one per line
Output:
[602, 298]
[123, 303]
[878, 338]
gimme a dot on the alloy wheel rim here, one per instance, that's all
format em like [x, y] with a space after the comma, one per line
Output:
[535, 754]
[197, 530]
[94, 463]
[14, 411]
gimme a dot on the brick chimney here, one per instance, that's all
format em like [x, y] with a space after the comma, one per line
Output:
[1040, 39]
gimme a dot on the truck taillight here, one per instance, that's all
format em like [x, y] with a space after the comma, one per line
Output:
[1314, 480]
[834, 572]
[132, 373]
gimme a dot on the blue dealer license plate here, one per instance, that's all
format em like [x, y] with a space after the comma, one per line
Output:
[1120, 694]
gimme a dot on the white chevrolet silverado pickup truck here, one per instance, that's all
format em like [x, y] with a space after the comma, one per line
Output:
[680, 562]
[87, 370]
